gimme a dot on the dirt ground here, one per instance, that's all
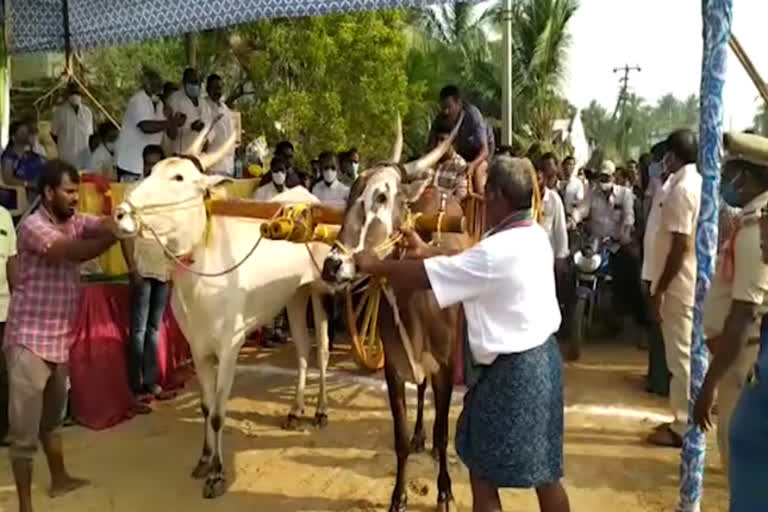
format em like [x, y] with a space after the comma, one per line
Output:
[143, 465]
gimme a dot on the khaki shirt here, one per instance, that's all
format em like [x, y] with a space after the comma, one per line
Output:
[679, 212]
[150, 260]
[750, 274]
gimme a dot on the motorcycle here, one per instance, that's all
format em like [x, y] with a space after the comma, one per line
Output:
[591, 264]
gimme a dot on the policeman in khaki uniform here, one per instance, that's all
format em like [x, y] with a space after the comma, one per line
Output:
[738, 297]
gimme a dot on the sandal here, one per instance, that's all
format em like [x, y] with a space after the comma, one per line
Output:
[666, 437]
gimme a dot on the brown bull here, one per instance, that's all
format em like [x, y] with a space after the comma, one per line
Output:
[419, 338]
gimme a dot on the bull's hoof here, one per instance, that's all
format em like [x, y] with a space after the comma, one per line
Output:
[201, 470]
[399, 505]
[215, 485]
[321, 420]
[446, 506]
[419, 442]
[292, 422]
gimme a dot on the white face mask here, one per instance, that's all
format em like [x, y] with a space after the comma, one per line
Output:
[278, 178]
[329, 176]
[155, 98]
[606, 187]
[355, 167]
[75, 100]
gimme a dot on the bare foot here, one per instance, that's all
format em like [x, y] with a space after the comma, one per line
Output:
[67, 485]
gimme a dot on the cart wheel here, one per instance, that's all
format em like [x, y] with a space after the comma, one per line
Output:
[362, 316]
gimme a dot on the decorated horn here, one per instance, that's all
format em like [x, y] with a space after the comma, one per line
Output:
[429, 160]
[397, 152]
[207, 160]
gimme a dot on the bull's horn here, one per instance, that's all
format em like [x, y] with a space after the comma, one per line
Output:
[429, 160]
[208, 160]
[197, 146]
[397, 152]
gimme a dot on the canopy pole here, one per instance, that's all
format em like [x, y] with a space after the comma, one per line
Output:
[69, 70]
[5, 76]
[506, 82]
[717, 16]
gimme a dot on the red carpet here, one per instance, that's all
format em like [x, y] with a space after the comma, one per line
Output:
[101, 395]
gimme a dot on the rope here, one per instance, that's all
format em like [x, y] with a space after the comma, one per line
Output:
[197, 272]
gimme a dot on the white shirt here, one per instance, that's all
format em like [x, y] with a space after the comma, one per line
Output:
[267, 192]
[101, 160]
[336, 193]
[652, 225]
[553, 222]
[7, 250]
[679, 214]
[186, 136]
[508, 292]
[132, 141]
[221, 131]
[573, 193]
[72, 130]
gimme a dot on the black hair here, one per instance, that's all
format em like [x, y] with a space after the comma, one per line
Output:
[548, 156]
[450, 91]
[152, 149]
[658, 150]
[169, 88]
[212, 78]
[352, 150]
[632, 162]
[569, 158]
[52, 174]
[283, 144]
[15, 127]
[188, 73]
[444, 126]
[683, 144]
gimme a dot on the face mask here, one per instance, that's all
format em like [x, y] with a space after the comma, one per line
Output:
[329, 176]
[278, 178]
[654, 170]
[606, 187]
[355, 168]
[110, 146]
[155, 98]
[729, 192]
[192, 90]
[75, 100]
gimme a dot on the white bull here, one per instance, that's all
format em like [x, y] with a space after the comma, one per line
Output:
[215, 313]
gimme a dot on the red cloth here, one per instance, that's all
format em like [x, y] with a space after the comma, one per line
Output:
[101, 393]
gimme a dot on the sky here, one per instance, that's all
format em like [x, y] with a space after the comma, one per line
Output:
[663, 37]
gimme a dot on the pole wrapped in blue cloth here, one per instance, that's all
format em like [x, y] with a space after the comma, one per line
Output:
[717, 16]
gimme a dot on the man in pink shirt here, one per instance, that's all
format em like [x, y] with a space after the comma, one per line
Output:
[52, 242]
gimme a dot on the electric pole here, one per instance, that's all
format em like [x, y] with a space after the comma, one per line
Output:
[621, 104]
[624, 86]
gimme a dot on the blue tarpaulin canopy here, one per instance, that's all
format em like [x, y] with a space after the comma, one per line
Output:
[41, 25]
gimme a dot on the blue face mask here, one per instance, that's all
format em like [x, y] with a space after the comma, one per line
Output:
[192, 90]
[729, 192]
[655, 170]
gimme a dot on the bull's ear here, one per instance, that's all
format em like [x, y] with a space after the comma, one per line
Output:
[413, 190]
[211, 182]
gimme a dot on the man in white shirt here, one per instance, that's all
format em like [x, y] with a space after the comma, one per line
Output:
[276, 184]
[71, 127]
[186, 102]
[673, 275]
[552, 212]
[571, 187]
[103, 157]
[7, 275]
[143, 125]
[610, 212]
[330, 189]
[222, 129]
